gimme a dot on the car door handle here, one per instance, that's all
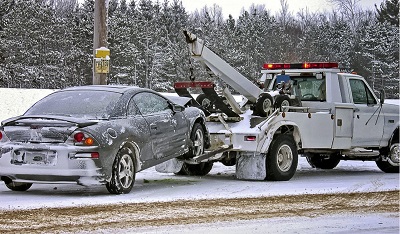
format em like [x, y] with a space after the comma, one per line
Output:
[153, 126]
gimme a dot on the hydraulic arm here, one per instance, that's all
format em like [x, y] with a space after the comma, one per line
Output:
[221, 69]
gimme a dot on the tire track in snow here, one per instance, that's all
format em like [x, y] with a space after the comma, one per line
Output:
[120, 216]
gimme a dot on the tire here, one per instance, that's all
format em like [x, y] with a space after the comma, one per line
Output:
[282, 159]
[204, 101]
[196, 149]
[320, 162]
[264, 105]
[123, 172]
[392, 163]
[17, 186]
[201, 169]
[282, 100]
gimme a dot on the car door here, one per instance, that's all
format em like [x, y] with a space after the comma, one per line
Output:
[368, 120]
[139, 132]
[164, 124]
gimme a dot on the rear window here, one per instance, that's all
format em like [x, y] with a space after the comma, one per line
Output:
[90, 104]
[308, 88]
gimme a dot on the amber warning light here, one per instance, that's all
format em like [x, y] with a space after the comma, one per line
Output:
[318, 65]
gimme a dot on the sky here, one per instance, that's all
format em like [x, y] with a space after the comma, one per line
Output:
[234, 7]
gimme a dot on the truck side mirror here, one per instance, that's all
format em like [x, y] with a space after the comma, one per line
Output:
[382, 96]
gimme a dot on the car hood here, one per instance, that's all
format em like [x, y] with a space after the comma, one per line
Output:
[182, 101]
[42, 129]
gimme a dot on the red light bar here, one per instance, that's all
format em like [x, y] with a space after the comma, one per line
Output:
[275, 66]
[318, 65]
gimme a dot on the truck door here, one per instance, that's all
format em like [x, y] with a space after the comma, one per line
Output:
[368, 123]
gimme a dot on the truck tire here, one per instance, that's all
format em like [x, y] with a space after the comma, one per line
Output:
[320, 162]
[282, 159]
[282, 100]
[17, 186]
[391, 165]
[201, 169]
[264, 105]
[123, 172]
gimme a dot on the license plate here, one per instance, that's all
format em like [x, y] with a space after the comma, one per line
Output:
[35, 157]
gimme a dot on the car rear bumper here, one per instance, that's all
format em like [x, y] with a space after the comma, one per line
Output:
[50, 164]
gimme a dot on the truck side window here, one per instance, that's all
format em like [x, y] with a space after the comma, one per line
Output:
[360, 92]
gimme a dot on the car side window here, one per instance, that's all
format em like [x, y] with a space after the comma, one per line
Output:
[360, 92]
[132, 108]
[150, 103]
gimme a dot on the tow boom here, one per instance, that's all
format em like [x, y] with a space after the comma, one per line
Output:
[221, 69]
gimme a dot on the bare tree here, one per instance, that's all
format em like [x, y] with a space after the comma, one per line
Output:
[350, 9]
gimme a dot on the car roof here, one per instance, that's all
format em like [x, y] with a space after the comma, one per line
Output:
[110, 88]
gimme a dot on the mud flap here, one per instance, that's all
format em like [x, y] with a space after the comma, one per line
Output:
[250, 166]
[170, 166]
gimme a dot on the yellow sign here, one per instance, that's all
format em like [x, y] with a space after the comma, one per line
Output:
[102, 52]
[101, 65]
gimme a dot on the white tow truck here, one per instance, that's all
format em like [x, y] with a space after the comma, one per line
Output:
[308, 109]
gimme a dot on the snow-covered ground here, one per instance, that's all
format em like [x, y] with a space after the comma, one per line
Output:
[151, 186]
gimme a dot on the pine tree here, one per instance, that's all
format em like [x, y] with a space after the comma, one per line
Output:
[388, 12]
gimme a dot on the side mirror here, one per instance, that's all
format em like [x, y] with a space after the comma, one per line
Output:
[382, 96]
[177, 108]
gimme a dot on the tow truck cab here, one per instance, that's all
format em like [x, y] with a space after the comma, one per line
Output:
[360, 115]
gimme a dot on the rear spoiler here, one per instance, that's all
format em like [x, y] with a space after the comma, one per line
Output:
[78, 121]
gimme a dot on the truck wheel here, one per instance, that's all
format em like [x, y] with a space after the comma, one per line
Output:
[282, 100]
[123, 172]
[204, 101]
[318, 161]
[17, 186]
[282, 159]
[201, 169]
[392, 163]
[264, 105]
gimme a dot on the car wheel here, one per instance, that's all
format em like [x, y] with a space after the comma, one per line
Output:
[123, 172]
[391, 165]
[196, 149]
[17, 186]
[282, 159]
[282, 100]
[321, 162]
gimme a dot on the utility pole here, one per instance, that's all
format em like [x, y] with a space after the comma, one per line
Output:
[100, 37]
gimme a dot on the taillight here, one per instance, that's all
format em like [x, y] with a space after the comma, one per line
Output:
[250, 138]
[79, 136]
[1, 135]
[89, 141]
[83, 138]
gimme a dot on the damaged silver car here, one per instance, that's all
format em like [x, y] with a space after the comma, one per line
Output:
[98, 135]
